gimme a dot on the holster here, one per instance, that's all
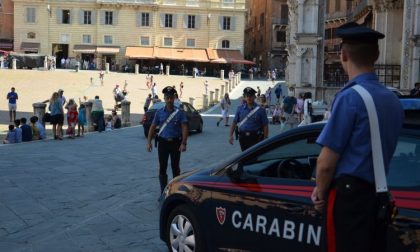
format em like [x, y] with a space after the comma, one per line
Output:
[386, 208]
[236, 133]
[156, 141]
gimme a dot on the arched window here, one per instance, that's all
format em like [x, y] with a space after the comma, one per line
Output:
[225, 44]
[31, 35]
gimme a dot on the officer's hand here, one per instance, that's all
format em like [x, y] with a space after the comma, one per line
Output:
[231, 140]
[182, 147]
[319, 203]
[149, 147]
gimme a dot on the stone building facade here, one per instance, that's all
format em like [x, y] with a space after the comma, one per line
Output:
[265, 40]
[103, 29]
[399, 61]
[6, 25]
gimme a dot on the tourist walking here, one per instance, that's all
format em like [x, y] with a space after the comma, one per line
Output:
[225, 105]
[147, 103]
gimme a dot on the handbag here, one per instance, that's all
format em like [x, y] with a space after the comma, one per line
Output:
[386, 209]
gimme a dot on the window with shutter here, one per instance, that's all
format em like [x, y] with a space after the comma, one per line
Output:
[167, 41]
[87, 17]
[107, 39]
[65, 16]
[145, 19]
[225, 44]
[86, 39]
[108, 17]
[191, 22]
[144, 40]
[226, 23]
[191, 42]
[168, 20]
[30, 15]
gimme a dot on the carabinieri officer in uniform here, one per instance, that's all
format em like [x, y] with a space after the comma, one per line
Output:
[345, 180]
[172, 136]
[251, 120]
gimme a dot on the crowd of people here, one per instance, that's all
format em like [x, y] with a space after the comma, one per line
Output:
[59, 109]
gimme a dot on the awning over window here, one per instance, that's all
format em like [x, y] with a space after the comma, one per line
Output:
[6, 45]
[136, 52]
[182, 54]
[30, 46]
[84, 49]
[222, 56]
[108, 49]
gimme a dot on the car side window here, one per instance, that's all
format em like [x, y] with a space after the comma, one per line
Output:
[191, 108]
[293, 160]
[404, 169]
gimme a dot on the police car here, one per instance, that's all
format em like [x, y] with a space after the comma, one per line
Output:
[260, 199]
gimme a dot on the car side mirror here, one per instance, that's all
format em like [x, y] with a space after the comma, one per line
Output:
[234, 172]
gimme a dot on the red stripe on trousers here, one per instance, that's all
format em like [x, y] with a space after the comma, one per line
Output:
[330, 221]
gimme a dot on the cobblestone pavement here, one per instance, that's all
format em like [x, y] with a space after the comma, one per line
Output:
[95, 193]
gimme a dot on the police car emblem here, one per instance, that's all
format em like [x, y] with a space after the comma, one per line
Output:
[221, 214]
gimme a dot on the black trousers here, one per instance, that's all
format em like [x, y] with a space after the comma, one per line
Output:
[354, 213]
[248, 139]
[166, 149]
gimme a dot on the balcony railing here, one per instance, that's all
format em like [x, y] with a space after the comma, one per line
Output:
[280, 21]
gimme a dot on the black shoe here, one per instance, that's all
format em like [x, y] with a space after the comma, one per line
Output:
[217, 124]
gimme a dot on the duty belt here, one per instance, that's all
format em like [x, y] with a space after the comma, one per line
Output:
[249, 133]
[169, 139]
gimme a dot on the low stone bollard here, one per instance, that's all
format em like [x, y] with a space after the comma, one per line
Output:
[1, 62]
[230, 85]
[222, 91]
[211, 98]
[251, 76]
[222, 74]
[125, 113]
[216, 95]
[39, 111]
[89, 120]
[14, 64]
[106, 67]
[192, 101]
[168, 69]
[136, 69]
[205, 102]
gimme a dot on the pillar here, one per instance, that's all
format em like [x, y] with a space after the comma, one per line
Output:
[222, 91]
[106, 67]
[136, 69]
[125, 113]
[89, 121]
[222, 74]
[192, 101]
[168, 68]
[14, 64]
[205, 101]
[211, 98]
[39, 111]
[216, 95]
